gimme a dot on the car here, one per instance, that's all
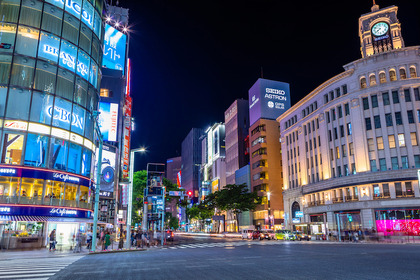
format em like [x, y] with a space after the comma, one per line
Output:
[267, 234]
[256, 234]
[247, 233]
[169, 235]
[285, 235]
[302, 236]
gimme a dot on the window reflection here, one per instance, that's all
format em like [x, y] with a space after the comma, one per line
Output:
[36, 150]
[58, 154]
[12, 148]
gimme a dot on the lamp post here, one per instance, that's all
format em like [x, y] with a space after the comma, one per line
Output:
[269, 210]
[98, 180]
[130, 196]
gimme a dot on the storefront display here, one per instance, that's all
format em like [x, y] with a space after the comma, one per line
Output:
[398, 222]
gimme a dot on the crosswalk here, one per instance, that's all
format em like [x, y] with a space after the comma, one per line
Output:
[34, 269]
[222, 244]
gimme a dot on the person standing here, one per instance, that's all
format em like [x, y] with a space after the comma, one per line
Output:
[89, 239]
[107, 240]
[52, 240]
[121, 243]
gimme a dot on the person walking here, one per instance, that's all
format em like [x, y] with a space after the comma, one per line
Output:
[121, 243]
[107, 240]
[52, 240]
[89, 239]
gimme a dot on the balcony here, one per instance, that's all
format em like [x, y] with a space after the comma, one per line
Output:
[382, 196]
[351, 198]
[45, 201]
[405, 194]
[337, 200]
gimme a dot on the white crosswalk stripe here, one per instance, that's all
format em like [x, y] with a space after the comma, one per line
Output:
[223, 244]
[34, 269]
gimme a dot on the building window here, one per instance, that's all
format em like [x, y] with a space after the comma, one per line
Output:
[382, 164]
[404, 162]
[346, 170]
[373, 167]
[380, 143]
[374, 100]
[410, 116]
[398, 118]
[372, 80]
[344, 87]
[365, 103]
[371, 145]
[385, 98]
[382, 77]
[105, 92]
[340, 112]
[413, 72]
[395, 97]
[337, 152]
[401, 140]
[398, 189]
[413, 136]
[417, 161]
[335, 133]
[416, 94]
[392, 75]
[368, 124]
[36, 150]
[403, 74]
[258, 129]
[391, 141]
[347, 109]
[12, 148]
[331, 154]
[344, 150]
[351, 149]
[394, 163]
[325, 98]
[377, 121]
[327, 114]
[333, 114]
[363, 83]
[388, 119]
[407, 95]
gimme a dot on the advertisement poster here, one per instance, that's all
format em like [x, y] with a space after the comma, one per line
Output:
[108, 120]
[107, 170]
[114, 49]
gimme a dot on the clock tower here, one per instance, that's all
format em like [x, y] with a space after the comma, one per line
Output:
[380, 31]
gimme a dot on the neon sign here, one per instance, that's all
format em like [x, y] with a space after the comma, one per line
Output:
[65, 177]
[67, 59]
[76, 9]
[61, 211]
[64, 116]
[4, 209]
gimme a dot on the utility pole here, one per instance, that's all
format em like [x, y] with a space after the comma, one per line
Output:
[98, 180]
[163, 214]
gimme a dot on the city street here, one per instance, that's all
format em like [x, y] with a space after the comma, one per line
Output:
[209, 258]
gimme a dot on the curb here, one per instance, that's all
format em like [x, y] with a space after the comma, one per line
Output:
[116, 251]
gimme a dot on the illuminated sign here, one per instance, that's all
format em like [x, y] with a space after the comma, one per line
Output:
[114, 49]
[62, 212]
[296, 220]
[65, 116]
[4, 209]
[108, 120]
[68, 60]
[7, 171]
[268, 100]
[18, 125]
[107, 168]
[127, 136]
[299, 214]
[75, 8]
[66, 177]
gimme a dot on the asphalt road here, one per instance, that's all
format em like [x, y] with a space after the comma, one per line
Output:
[209, 258]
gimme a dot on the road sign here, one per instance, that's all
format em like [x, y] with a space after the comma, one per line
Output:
[176, 193]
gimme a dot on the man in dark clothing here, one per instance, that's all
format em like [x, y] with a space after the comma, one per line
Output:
[52, 240]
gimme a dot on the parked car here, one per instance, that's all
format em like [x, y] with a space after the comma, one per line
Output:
[247, 233]
[256, 234]
[169, 235]
[267, 234]
[302, 236]
[285, 235]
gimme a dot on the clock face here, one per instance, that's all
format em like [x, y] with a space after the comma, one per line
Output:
[379, 29]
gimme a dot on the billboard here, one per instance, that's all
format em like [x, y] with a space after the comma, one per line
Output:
[108, 120]
[107, 169]
[268, 100]
[114, 49]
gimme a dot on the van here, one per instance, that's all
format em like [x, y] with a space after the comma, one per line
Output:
[247, 233]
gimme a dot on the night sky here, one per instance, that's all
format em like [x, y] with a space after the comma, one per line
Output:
[192, 59]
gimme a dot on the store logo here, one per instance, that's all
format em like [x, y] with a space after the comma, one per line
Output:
[4, 209]
[67, 59]
[7, 171]
[64, 116]
[270, 104]
[77, 9]
[65, 177]
[254, 101]
[62, 212]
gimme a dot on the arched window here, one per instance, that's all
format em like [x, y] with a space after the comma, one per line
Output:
[413, 72]
[392, 75]
[403, 74]
[295, 208]
[382, 77]
[363, 83]
[372, 80]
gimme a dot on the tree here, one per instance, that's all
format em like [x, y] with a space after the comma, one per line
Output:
[139, 184]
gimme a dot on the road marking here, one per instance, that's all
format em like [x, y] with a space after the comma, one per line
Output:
[196, 266]
[20, 276]
[252, 257]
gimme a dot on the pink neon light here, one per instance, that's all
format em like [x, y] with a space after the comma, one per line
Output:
[405, 227]
[45, 206]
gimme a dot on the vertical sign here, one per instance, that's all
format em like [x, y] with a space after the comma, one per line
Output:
[127, 124]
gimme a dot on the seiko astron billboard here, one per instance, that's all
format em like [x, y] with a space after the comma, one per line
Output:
[268, 100]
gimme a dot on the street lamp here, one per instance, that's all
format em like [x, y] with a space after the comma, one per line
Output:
[130, 195]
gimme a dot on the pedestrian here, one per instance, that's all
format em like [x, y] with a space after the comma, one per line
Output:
[121, 243]
[78, 241]
[89, 236]
[139, 239]
[102, 239]
[133, 238]
[52, 240]
[107, 240]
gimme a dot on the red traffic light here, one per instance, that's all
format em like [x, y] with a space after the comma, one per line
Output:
[189, 193]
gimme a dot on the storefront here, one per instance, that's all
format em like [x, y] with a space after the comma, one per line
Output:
[398, 222]
[28, 226]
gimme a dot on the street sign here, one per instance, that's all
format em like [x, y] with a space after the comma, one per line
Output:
[299, 214]
[176, 193]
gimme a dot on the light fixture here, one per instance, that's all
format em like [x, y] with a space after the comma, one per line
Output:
[117, 24]
[125, 29]
[108, 19]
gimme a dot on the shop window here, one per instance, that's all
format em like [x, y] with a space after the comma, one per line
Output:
[31, 190]
[22, 72]
[57, 156]
[85, 38]
[382, 77]
[413, 72]
[75, 154]
[7, 35]
[27, 41]
[41, 108]
[9, 10]
[86, 162]
[392, 75]
[52, 19]
[49, 46]
[36, 150]
[9, 188]
[54, 193]
[18, 104]
[71, 29]
[80, 93]
[84, 194]
[30, 13]
[45, 76]
[62, 113]
[70, 192]
[65, 84]
[12, 148]
[403, 74]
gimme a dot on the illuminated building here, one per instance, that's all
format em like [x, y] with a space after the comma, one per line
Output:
[351, 147]
[50, 58]
[267, 100]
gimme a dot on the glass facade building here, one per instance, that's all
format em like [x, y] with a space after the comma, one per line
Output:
[50, 57]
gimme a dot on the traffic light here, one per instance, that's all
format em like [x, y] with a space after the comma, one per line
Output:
[189, 193]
